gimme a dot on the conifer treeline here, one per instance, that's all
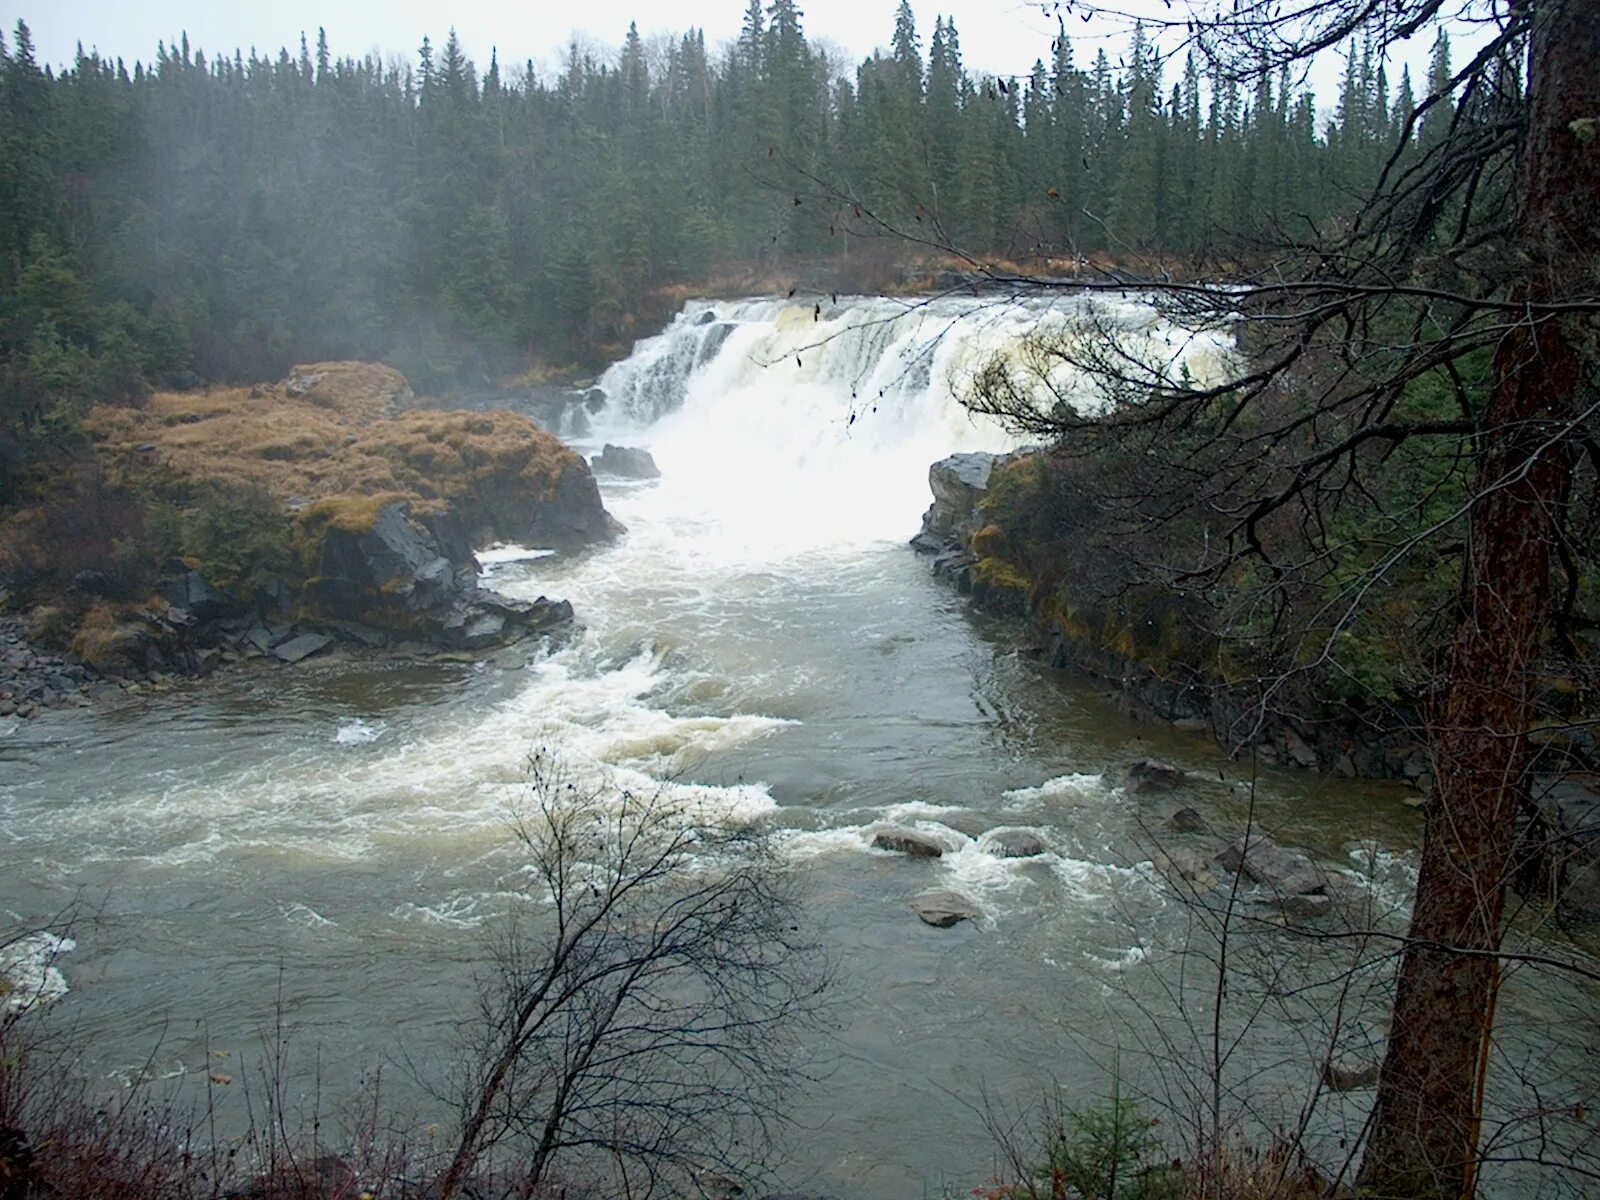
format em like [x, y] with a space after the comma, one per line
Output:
[220, 217]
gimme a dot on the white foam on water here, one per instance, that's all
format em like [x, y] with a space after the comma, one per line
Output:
[803, 845]
[919, 810]
[984, 874]
[28, 969]
[1061, 788]
[1131, 957]
[1389, 876]
[1099, 883]
[509, 552]
[357, 733]
[304, 914]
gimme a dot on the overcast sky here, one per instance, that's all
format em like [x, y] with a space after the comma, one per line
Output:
[999, 36]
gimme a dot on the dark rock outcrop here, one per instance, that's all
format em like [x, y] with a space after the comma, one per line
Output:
[625, 462]
[904, 841]
[944, 909]
[570, 518]
[1560, 844]
[406, 576]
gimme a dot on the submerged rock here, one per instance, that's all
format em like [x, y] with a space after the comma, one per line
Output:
[904, 841]
[1349, 1073]
[944, 909]
[1151, 775]
[1187, 820]
[1186, 868]
[625, 462]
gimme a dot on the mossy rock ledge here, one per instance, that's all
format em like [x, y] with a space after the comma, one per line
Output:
[331, 503]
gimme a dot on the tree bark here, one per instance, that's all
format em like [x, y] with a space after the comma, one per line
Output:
[1430, 1091]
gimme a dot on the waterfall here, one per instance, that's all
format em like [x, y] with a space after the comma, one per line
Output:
[801, 423]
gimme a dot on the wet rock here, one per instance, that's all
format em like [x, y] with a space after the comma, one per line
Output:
[193, 599]
[569, 519]
[1260, 859]
[1191, 724]
[904, 841]
[1012, 843]
[944, 909]
[1151, 775]
[366, 635]
[1187, 820]
[301, 648]
[625, 462]
[1300, 754]
[958, 483]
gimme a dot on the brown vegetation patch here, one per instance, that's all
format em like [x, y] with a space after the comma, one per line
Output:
[324, 442]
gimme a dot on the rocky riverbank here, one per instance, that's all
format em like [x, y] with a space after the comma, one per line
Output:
[1154, 676]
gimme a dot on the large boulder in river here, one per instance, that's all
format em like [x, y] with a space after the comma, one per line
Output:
[625, 462]
[1284, 872]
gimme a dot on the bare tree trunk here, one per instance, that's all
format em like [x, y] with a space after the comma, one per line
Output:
[1430, 1092]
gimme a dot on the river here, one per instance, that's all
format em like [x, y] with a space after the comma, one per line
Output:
[328, 843]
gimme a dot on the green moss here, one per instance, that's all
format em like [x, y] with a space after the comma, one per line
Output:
[997, 573]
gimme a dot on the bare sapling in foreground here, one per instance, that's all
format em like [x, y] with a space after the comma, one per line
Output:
[644, 1020]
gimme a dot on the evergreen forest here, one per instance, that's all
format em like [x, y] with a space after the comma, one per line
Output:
[211, 217]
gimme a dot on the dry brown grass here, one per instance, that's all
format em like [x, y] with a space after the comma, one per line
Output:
[355, 390]
[106, 634]
[327, 443]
